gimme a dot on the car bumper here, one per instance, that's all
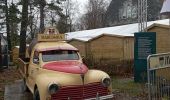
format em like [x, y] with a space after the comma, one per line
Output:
[96, 98]
[101, 97]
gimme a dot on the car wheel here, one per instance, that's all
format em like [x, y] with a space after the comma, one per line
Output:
[36, 95]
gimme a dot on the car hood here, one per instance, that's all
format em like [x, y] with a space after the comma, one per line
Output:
[67, 66]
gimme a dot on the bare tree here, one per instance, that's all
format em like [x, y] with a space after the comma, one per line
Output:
[95, 16]
[71, 11]
[41, 5]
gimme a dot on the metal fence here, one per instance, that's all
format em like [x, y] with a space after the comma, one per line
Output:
[159, 77]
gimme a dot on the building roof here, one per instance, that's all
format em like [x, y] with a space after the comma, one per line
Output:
[158, 25]
[123, 30]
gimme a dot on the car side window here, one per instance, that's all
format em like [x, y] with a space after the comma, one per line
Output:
[36, 57]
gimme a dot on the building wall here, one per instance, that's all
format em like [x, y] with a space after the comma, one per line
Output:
[107, 49]
[15, 53]
[162, 39]
[128, 48]
[81, 46]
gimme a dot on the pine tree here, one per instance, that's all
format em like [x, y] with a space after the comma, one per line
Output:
[53, 6]
[7, 26]
[62, 24]
[23, 31]
[13, 24]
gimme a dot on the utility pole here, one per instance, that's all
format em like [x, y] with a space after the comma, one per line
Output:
[142, 15]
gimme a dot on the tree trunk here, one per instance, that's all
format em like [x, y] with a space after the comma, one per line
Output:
[42, 5]
[23, 31]
[31, 22]
[7, 26]
[0, 54]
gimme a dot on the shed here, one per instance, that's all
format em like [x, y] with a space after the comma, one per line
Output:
[162, 45]
[111, 49]
[106, 48]
[109, 44]
[162, 37]
[81, 45]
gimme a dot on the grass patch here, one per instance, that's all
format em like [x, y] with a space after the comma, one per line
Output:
[128, 86]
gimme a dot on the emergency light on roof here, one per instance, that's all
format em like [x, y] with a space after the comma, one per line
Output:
[51, 30]
[51, 34]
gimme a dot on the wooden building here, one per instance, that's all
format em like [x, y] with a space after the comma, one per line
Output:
[106, 49]
[162, 46]
[81, 45]
[111, 48]
[162, 37]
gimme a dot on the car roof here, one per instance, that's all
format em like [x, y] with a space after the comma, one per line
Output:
[46, 46]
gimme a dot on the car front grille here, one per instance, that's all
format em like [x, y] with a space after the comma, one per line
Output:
[80, 92]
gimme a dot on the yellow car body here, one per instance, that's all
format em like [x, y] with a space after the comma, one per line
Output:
[67, 79]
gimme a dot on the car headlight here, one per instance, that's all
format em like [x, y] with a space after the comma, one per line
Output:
[106, 82]
[53, 88]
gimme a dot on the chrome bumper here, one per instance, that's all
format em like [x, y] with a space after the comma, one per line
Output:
[101, 97]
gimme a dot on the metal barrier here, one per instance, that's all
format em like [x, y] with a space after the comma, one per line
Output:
[159, 76]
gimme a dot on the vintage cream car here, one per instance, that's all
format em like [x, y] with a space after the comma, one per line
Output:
[55, 71]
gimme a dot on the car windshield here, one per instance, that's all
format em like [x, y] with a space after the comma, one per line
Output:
[57, 55]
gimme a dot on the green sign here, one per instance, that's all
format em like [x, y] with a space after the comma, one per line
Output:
[145, 45]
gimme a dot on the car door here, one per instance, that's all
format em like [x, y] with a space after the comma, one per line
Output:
[34, 68]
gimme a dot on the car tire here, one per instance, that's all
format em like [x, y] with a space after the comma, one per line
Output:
[36, 95]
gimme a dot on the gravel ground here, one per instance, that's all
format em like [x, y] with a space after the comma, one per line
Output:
[8, 76]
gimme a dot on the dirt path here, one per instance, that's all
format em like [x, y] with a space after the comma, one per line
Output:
[8, 76]
[15, 91]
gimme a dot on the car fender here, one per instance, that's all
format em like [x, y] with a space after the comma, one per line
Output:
[96, 76]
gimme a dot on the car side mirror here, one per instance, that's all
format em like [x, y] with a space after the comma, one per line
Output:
[36, 60]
